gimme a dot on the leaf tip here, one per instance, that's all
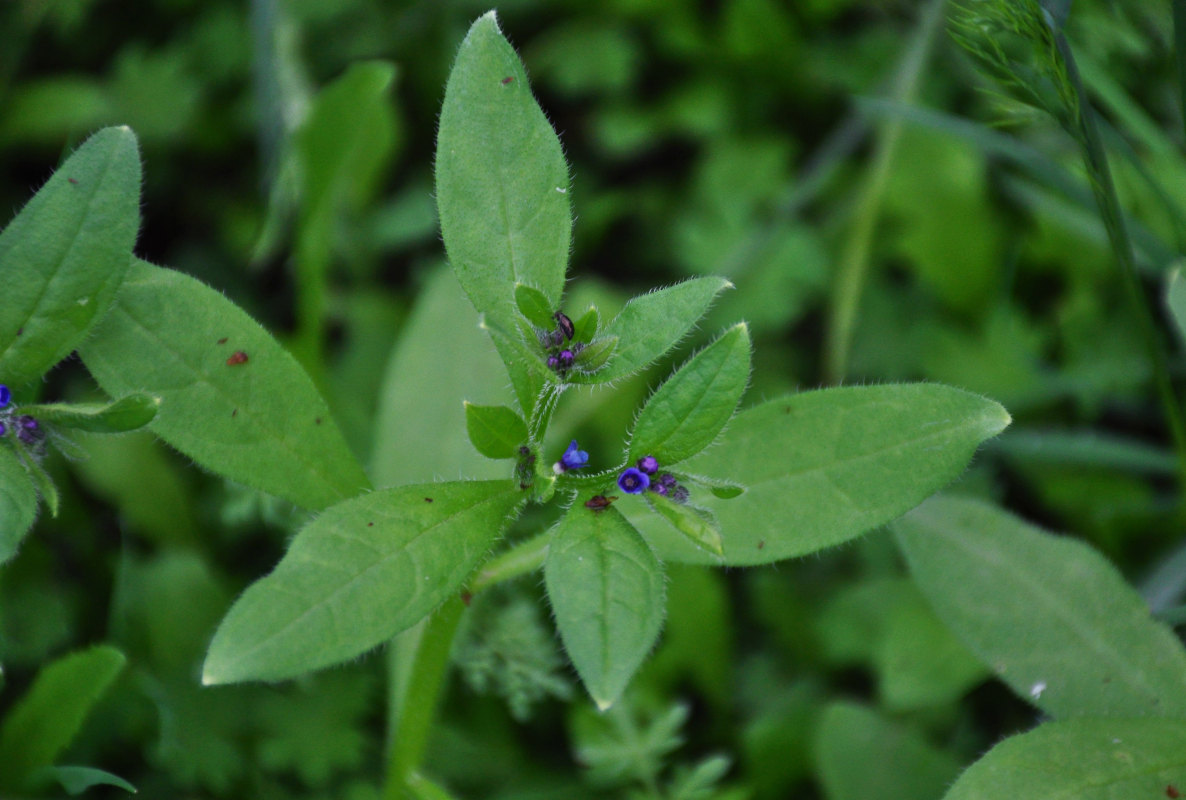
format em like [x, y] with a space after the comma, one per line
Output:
[602, 704]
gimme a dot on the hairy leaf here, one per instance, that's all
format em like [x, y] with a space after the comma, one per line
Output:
[534, 306]
[18, 503]
[496, 431]
[119, 416]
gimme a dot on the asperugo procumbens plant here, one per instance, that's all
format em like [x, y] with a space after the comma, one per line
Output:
[696, 482]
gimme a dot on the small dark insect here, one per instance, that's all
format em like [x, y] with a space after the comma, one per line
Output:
[370, 524]
[222, 340]
[234, 413]
[507, 80]
[599, 502]
[237, 357]
[428, 499]
[72, 181]
[761, 544]
[565, 325]
[1172, 791]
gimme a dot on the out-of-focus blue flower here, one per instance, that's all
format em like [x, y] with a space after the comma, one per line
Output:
[573, 458]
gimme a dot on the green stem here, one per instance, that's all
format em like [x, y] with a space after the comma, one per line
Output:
[521, 559]
[855, 260]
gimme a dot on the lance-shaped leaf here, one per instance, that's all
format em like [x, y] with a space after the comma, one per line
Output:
[606, 588]
[1175, 299]
[1050, 615]
[119, 416]
[232, 398]
[698, 524]
[18, 503]
[1087, 759]
[534, 306]
[76, 780]
[496, 431]
[687, 412]
[66, 253]
[360, 573]
[651, 324]
[501, 180]
[46, 719]
[822, 467]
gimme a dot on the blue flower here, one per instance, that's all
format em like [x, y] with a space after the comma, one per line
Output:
[633, 481]
[573, 458]
[5, 395]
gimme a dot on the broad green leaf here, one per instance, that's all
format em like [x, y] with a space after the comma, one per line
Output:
[357, 575]
[688, 411]
[1050, 615]
[501, 179]
[825, 466]
[18, 503]
[534, 306]
[496, 431]
[1087, 759]
[231, 398]
[440, 359]
[45, 720]
[699, 525]
[525, 365]
[65, 254]
[606, 588]
[651, 324]
[859, 755]
[119, 416]
[1175, 298]
[76, 780]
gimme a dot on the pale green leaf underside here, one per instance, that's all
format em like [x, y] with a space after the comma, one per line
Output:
[46, 719]
[64, 255]
[700, 526]
[825, 466]
[686, 413]
[501, 179]
[1050, 615]
[651, 324]
[1084, 759]
[260, 421]
[606, 589]
[495, 431]
[118, 416]
[356, 576]
[18, 503]
[76, 780]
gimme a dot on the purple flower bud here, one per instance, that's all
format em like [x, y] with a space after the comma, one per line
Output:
[680, 494]
[5, 395]
[553, 363]
[29, 431]
[666, 480]
[3, 429]
[659, 488]
[633, 481]
[566, 357]
[573, 458]
[648, 464]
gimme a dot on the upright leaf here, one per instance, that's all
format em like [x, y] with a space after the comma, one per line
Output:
[118, 416]
[64, 256]
[496, 431]
[46, 719]
[687, 412]
[18, 503]
[606, 587]
[822, 467]
[651, 324]
[501, 180]
[1050, 615]
[1087, 759]
[232, 399]
[356, 576]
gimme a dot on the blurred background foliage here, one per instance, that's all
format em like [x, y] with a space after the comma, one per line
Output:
[288, 149]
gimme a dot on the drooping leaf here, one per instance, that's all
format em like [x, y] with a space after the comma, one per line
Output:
[651, 324]
[534, 306]
[18, 503]
[357, 575]
[496, 431]
[822, 467]
[1088, 759]
[76, 780]
[231, 398]
[501, 179]
[606, 588]
[46, 719]
[65, 254]
[119, 416]
[1050, 615]
[686, 413]
[699, 525]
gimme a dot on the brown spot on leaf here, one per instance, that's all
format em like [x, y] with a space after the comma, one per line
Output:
[370, 524]
[234, 413]
[428, 499]
[72, 180]
[20, 330]
[1172, 791]
[599, 502]
[466, 597]
[761, 544]
[507, 80]
[222, 340]
[237, 357]
[317, 420]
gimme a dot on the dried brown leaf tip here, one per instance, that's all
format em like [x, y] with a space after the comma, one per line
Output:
[237, 357]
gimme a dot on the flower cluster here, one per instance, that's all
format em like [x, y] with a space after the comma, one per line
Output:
[562, 351]
[645, 475]
[27, 429]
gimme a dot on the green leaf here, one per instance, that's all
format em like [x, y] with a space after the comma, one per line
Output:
[357, 575]
[651, 324]
[1175, 298]
[44, 483]
[119, 416]
[860, 755]
[1050, 615]
[76, 780]
[823, 467]
[699, 525]
[1087, 759]
[45, 720]
[606, 588]
[686, 413]
[595, 355]
[534, 306]
[18, 503]
[232, 399]
[585, 327]
[525, 366]
[66, 253]
[501, 180]
[496, 431]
